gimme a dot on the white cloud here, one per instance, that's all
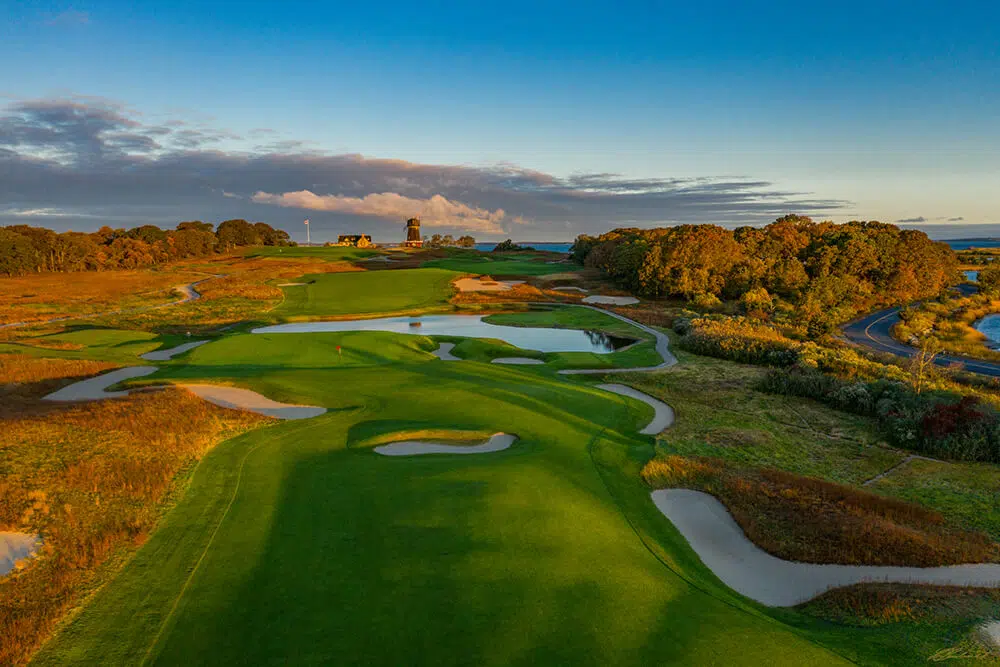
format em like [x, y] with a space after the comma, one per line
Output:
[436, 211]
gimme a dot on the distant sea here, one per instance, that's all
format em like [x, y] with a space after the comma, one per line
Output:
[956, 244]
[965, 244]
[551, 247]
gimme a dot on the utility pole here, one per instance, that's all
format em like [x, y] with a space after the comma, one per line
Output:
[308, 238]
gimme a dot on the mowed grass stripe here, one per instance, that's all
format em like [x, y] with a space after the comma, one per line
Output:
[366, 292]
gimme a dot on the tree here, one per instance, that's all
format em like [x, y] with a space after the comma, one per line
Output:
[922, 361]
[435, 241]
[236, 233]
[17, 255]
[466, 242]
[196, 225]
[447, 240]
[989, 279]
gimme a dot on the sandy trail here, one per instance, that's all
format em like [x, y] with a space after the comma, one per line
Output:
[444, 352]
[164, 355]
[517, 361]
[15, 547]
[477, 285]
[495, 443]
[571, 289]
[746, 568]
[611, 300]
[244, 399]
[663, 414]
[93, 389]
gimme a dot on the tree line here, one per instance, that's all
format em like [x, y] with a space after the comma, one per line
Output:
[814, 274]
[25, 249]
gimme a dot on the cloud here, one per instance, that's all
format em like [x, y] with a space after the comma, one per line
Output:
[69, 17]
[917, 220]
[97, 158]
[958, 219]
[436, 211]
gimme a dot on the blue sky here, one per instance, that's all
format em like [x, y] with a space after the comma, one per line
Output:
[870, 110]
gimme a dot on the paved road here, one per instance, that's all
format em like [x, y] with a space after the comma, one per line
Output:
[875, 332]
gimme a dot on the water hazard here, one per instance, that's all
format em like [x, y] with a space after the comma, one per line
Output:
[469, 326]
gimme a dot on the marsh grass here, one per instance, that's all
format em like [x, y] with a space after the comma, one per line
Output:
[90, 479]
[814, 521]
[876, 604]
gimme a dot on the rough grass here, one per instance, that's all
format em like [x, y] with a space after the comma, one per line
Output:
[877, 604]
[25, 379]
[503, 265]
[569, 318]
[90, 480]
[48, 295]
[814, 521]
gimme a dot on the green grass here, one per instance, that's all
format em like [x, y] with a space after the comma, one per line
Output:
[366, 292]
[298, 544]
[120, 345]
[498, 266]
[968, 494]
[331, 254]
[569, 317]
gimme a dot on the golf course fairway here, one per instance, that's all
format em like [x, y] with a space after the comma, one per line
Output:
[298, 544]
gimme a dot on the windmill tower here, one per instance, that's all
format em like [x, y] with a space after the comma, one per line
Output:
[413, 233]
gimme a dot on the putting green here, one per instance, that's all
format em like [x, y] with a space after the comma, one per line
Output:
[498, 266]
[364, 292]
[298, 544]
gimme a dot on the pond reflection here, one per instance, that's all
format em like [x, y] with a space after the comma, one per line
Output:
[469, 326]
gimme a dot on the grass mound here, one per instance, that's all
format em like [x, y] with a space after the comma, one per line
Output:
[814, 521]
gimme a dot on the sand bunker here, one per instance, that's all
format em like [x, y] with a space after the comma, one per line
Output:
[663, 415]
[444, 352]
[517, 361]
[991, 633]
[164, 355]
[611, 300]
[244, 399]
[746, 568]
[15, 547]
[291, 284]
[496, 442]
[477, 285]
[92, 389]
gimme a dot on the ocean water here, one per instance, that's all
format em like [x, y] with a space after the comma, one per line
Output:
[551, 247]
[965, 244]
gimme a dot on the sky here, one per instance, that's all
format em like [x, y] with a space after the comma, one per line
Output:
[531, 120]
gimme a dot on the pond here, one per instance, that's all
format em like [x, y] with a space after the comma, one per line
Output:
[971, 276]
[989, 326]
[469, 326]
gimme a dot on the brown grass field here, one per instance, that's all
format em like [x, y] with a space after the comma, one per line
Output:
[47, 295]
[90, 479]
[814, 521]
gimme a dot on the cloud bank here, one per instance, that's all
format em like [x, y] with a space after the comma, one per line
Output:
[437, 211]
[88, 161]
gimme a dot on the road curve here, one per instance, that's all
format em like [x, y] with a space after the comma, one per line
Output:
[874, 331]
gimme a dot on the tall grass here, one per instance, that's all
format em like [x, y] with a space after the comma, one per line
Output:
[90, 479]
[814, 521]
